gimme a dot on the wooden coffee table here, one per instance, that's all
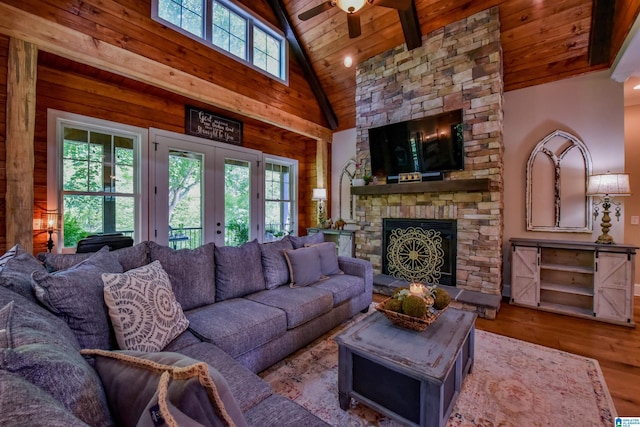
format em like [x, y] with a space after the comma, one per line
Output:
[412, 377]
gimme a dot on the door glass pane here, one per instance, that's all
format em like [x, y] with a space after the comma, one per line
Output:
[186, 202]
[237, 186]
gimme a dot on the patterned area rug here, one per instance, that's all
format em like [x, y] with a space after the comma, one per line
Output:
[513, 383]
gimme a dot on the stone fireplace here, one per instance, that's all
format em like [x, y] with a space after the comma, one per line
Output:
[420, 250]
[457, 67]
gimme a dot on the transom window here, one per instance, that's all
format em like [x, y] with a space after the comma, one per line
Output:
[228, 27]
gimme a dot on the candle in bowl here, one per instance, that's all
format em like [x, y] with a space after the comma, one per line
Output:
[416, 289]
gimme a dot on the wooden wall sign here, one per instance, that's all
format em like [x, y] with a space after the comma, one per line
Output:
[205, 124]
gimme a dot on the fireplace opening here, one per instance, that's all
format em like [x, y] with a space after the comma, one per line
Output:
[420, 250]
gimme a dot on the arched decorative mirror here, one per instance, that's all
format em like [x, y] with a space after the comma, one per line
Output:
[557, 173]
[345, 200]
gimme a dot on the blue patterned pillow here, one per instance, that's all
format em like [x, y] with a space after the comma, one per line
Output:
[143, 309]
[76, 296]
[238, 270]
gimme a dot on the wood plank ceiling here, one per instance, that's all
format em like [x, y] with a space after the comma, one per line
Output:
[542, 41]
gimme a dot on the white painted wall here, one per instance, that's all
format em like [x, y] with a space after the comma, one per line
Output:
[590, 107]
[343, 148]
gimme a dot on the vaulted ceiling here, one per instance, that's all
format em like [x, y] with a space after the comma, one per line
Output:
[542, 40]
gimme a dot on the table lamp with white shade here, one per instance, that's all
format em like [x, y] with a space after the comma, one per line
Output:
[607, 186]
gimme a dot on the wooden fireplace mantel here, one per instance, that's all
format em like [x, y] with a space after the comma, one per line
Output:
[481, 184]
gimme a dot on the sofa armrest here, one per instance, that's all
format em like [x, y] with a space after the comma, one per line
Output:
[358, 267]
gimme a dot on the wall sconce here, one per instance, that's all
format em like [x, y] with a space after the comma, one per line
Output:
[606, 186]
[320, 195]
[51, 221]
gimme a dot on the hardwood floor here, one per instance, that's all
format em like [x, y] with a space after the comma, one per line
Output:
[617, 348]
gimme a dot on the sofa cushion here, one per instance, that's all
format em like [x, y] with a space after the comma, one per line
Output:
[310, 239]
[328, 258]
[274, 264]
[62, 373]
[304, 266]
[237, 325]
[76, 296]
[238, 270]
[300, 304]
[32, 324]
[16, 266]
[143, 309]
[247, 388]
[182, 391]
[191, 271]
[5, 317]
[343, 287]
[278, 411]
[24, 404]
[130, 257]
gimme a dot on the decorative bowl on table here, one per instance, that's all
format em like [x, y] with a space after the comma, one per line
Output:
[415, 307]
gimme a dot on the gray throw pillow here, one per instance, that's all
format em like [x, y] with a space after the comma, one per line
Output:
[274, 264]
[328, 258]
[238, 270]
[310, 239]
[191, 271]
[16, 266]
[131, 257]
[76, 296]
[191, 391]
[304, 266]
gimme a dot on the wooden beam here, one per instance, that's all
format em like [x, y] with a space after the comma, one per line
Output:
[305, 62]
[411, 26]
[52, 37]
[601, 30]
[21, 118]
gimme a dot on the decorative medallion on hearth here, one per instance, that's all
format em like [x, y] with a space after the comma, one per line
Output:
[415, 254]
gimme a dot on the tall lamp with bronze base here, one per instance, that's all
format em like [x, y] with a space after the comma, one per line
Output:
[606, 187]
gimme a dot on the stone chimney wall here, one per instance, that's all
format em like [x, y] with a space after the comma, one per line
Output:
[457, 67]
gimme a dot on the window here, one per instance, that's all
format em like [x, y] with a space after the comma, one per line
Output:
[230, 28]
[280, 178]
[98, 178]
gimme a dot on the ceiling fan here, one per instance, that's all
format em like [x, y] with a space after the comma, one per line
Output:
[353, 9]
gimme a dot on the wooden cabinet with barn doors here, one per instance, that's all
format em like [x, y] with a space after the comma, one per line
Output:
[581, 279]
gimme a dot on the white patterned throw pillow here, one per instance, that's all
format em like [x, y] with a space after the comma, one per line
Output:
[143, 309]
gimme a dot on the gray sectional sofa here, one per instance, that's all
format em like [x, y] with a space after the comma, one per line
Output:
[239, 310]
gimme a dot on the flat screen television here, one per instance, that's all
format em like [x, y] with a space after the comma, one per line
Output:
[426, 147]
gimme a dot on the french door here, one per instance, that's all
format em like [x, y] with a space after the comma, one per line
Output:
[202, 191]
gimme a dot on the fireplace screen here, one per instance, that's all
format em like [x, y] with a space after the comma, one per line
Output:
[420, 250]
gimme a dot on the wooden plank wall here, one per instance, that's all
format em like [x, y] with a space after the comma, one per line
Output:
[128, 24]
[103, 95]
[4, 48]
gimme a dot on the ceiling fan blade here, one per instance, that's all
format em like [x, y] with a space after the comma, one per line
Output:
[393, 4]
[353, 20]
[314, 11]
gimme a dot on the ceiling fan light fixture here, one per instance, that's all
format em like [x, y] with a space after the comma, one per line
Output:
[350, 6]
